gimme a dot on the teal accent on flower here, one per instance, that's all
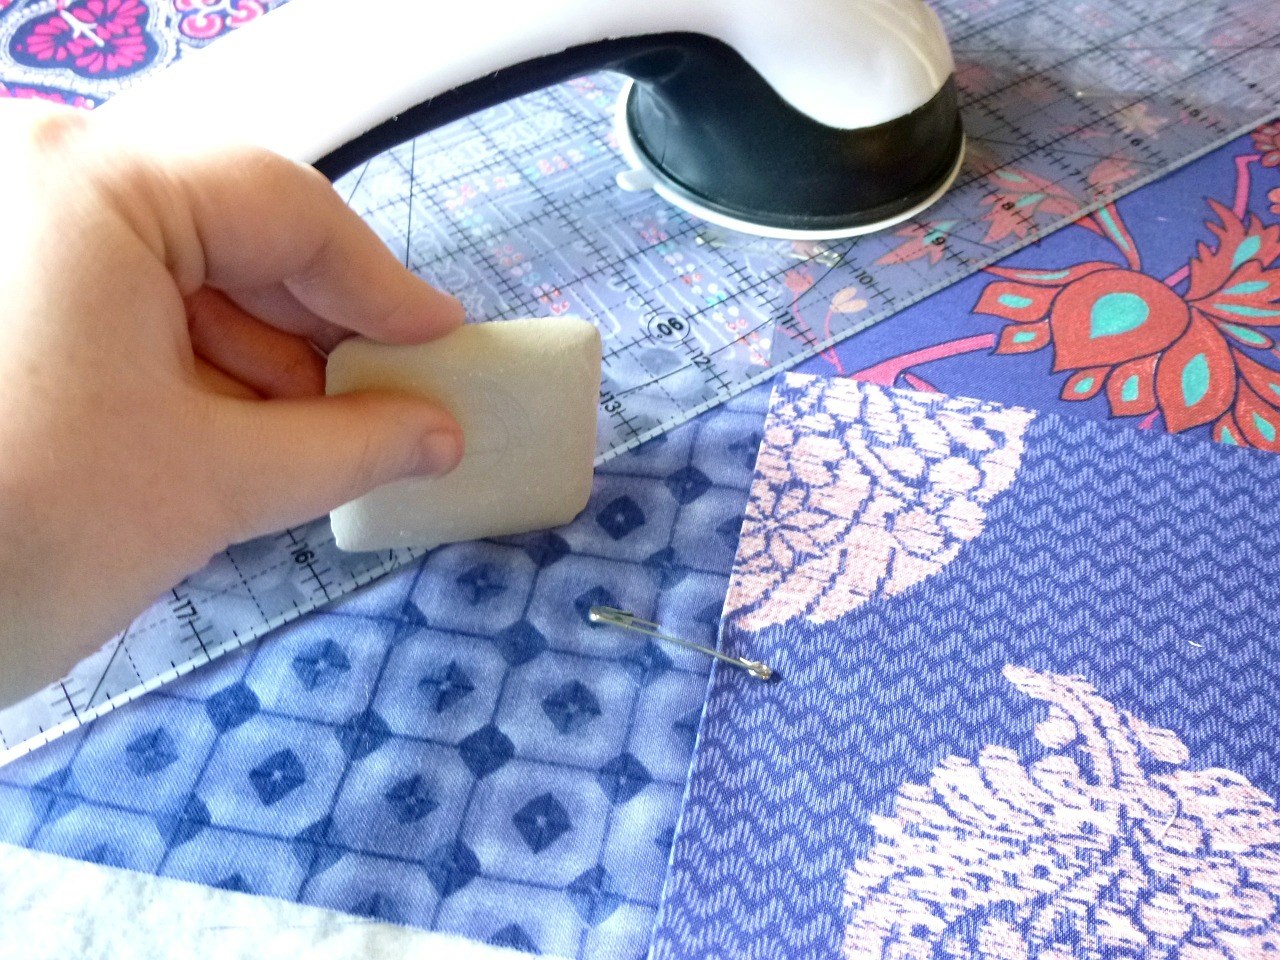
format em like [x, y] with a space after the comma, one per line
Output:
[1251, 337]
[1192, 354]
[1227, 437]
[1240, 310]
[1117, 313]
[1195, 380]
[1248, 247]
[1251, 286]
[1015, 302]
[1117, 234]
[1265, 427]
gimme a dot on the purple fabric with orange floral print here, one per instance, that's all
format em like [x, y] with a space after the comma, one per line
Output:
[1161, 308]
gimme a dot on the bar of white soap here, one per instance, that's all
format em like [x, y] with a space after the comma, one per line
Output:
[525, 393]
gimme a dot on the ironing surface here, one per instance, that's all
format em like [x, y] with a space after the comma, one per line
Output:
[292, 775]
[290, 769]
[517, 212]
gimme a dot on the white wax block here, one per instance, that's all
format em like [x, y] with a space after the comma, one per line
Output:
[525, 393]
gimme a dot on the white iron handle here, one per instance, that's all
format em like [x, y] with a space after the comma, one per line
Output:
[316, 75]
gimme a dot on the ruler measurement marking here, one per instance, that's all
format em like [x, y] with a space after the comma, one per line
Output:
[120, 645]
[186, 614]
[85, 715]
[247, 586]
[70, 703]
[1035, 70]
[305, 557]
[408, 230]
[575, 229]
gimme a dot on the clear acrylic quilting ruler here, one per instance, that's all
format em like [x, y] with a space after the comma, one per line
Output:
[1066, 106]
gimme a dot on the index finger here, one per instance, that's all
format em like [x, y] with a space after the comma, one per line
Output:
[260, 219]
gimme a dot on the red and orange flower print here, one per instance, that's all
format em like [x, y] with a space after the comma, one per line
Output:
[1190, 356]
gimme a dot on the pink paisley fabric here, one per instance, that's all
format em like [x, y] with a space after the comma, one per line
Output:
[82, 52]
[1108, 846]
[863, 493]
[206, 19]
[94, 36]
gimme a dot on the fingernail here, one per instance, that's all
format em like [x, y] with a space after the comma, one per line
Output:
[441, 451]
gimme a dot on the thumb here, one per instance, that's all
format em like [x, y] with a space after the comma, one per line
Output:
[283, 462]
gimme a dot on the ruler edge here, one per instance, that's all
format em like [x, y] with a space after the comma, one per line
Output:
[83, 718]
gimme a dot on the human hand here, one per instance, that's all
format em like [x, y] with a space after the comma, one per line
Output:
[160, 397]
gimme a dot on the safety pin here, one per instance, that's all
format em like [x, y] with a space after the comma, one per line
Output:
[629, 621]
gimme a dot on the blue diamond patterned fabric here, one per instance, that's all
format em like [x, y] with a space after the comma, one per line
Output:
[1028, 694]
[455, 747]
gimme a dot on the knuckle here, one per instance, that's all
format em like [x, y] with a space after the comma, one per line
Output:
[52, 129]
[41, 141]
[397, 320]
[286, 175]
[372, 465]
[229, 515]
[318, 262]
[300, 373]
[386, 451]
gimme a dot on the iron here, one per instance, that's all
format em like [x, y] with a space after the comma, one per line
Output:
[806, 119]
